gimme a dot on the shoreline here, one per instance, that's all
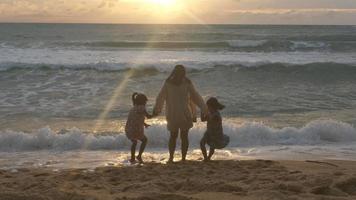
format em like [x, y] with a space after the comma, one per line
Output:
[226, 179]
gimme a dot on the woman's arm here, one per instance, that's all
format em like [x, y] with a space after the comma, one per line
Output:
[161, 98]
[197, 99]
[193, 109]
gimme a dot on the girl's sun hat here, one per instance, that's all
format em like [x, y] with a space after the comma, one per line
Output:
[214, 103]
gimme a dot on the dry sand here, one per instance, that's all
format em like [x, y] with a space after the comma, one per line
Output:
[254, 179]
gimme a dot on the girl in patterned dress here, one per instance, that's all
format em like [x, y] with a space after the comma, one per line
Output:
[135, 125]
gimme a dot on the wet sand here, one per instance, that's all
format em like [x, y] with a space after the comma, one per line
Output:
[249, 179]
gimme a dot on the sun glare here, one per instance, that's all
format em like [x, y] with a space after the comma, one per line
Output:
[166, 3]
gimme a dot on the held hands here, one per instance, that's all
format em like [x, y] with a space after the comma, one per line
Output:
[204, 116]
[149, 116]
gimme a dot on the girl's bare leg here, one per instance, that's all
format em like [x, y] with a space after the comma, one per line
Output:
[142, 149]
[133, 150]
[211, 152]
[203, 148]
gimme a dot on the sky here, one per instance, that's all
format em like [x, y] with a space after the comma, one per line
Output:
[180, 11]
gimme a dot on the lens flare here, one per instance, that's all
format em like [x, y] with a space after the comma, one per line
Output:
[113, 100]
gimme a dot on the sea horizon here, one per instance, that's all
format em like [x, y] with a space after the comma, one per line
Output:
[213, 24]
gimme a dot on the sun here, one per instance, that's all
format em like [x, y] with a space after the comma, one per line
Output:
[166, 3]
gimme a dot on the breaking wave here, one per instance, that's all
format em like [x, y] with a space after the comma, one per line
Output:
[191, 66]
[270, 45]
[247, 135]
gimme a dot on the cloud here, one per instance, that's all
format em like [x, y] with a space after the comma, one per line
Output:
[108, 3]
[296, 4]
[292, 11]
[49, 10]
[292, 16]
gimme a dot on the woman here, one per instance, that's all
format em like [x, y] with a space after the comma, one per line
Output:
[181, 97]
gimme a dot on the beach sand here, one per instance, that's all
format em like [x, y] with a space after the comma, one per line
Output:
[248, 179]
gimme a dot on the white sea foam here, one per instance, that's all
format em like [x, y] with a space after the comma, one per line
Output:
[162, 60]
[246, 135]
[246, 43]
[308, 44]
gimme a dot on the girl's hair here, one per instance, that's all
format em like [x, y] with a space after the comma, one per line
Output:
[138, 99]
[133, 98]
[178, 75]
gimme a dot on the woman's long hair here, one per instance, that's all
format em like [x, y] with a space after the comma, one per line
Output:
[178, 75]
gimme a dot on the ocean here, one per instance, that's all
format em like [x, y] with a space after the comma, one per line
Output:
[65, 89]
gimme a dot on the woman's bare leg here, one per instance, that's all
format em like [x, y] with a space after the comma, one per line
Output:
[172, 144]
[185, 143]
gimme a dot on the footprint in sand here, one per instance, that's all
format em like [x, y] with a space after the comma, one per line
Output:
[164, 197]
[348, 186]
[326, 190]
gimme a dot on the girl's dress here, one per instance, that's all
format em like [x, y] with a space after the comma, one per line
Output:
[214, 134]
[134, 128]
